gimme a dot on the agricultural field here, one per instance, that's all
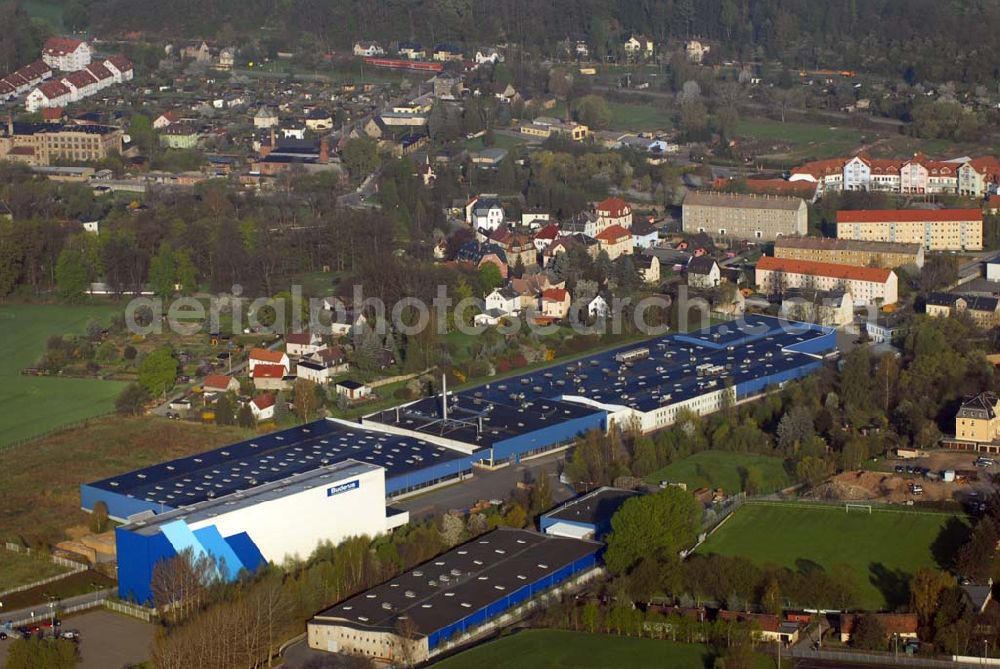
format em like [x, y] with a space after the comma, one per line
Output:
[20, 569]
[40, 494]
[36, 405]
[722, 469]
[563, 649]
[886, 546]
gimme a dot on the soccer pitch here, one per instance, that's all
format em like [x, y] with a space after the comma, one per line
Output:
[882, 547]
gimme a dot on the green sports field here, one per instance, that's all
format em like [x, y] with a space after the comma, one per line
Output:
[562, 649]
[36, 405]
[884, 547]
[722, 469]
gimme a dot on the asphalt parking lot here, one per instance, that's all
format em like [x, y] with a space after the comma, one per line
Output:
[107, 640]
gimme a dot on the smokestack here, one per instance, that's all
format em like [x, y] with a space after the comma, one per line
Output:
[444, 398]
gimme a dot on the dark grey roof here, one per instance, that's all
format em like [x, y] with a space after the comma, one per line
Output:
[980, 406]
[595, 508]
[460, 582]
[352, 385]
[700, 265]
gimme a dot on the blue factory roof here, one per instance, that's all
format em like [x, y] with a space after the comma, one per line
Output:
[481, 423]
[674, 368]
[271, 457]
[523, 413]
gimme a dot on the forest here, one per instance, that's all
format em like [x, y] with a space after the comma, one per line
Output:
[903, 37]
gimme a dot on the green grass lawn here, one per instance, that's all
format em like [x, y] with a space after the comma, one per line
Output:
[47, 10]
[883, 548]
[20, 569]
[722, 469]
[500, 142]
[808, 140]
[639, 117]
[556, 649]
[36, 405]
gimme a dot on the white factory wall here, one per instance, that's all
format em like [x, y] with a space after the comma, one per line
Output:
[294, 524]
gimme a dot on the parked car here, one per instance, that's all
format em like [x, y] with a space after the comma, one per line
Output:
[73, 635]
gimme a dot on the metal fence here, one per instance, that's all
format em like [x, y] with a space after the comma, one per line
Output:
[880, 659]
[73, 567]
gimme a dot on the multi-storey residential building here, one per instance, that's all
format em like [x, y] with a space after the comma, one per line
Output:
[978, 419]
[828, 175]
[42, 144]
[921, 175]
[616, 241]
[867, 285]
[79, 84]
[935, 229]
[756, 217]
[66, 53]
[984, 311]
[614, 211]
[850, 252]
[918, 175]
[979, 177]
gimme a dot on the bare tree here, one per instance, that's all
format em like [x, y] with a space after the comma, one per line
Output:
[179, 583]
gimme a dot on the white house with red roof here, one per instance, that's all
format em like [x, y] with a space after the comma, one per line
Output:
[48, 94]
[262, 407]
[121, 68]
[555, 303]
[82, 84]
[545, 236]
[220, 383]
[263, 356]
[302, 343]
[614, 211]
[165, 119]
[270, 377]
[66, 53]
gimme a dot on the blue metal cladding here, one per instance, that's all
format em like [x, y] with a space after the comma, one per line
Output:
[755, 386]
[549, 436]
[423, 476]
[511, 600]
[137, 555]
[246, 550]
[119, 506]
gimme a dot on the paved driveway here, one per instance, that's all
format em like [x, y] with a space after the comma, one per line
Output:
[107, 640]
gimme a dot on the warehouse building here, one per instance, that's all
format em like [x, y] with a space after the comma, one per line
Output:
[934, 229]
[753, 217]
[643, 386]
[850, 252]
[586, 517]
[436, 605]
[243, 530]
[432, 441]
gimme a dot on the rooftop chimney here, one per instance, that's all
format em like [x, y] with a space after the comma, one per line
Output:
[10, 125]
[444, 398]
[324, 151]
